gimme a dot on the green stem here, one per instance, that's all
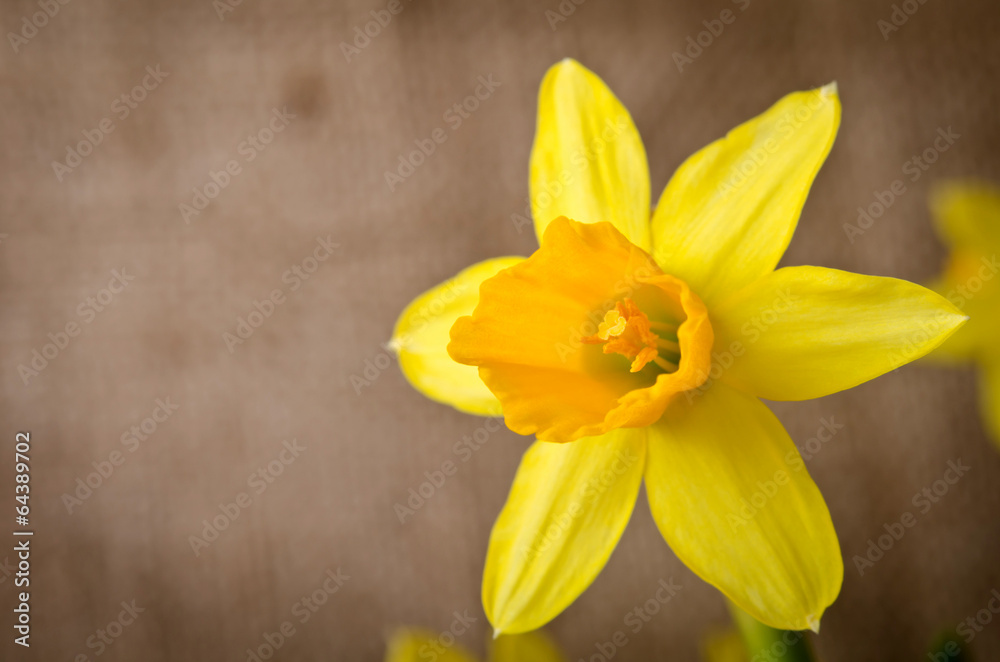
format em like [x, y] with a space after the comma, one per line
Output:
[767, 643]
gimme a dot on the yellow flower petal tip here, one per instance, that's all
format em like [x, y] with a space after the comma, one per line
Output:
[830, 89]
[813, 623]
[568, 66]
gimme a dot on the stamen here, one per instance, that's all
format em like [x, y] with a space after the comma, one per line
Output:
[663, 363]
[663, 326]
[626, 330]
[613, 325]
[668, 345]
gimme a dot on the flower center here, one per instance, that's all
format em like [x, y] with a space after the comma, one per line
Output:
[524, 336]
[626, 330]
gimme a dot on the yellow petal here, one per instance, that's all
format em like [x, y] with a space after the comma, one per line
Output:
[731, 496]
[415, 645]
[729, 211]
[806, 332]
[528, 647]
[421, 337]
[989, 399]
[528, 335]
[588, 162]
[967, 215]
[565, 513]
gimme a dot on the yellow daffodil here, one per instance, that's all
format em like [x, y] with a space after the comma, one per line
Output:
[643, 341]
[414, 645]
[968, 219]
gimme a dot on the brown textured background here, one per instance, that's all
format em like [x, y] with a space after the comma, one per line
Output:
[333, 507]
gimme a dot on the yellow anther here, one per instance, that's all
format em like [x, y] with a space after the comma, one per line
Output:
[613, 325]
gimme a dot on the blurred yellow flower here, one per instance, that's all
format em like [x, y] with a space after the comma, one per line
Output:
[645, 340]
[414, 645]
[724, 646]
[967, 216]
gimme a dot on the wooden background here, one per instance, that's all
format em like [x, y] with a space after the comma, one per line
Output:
[324, 176]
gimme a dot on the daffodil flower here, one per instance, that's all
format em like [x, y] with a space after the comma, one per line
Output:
[968, 219]
[635, 347]
[415, 645]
